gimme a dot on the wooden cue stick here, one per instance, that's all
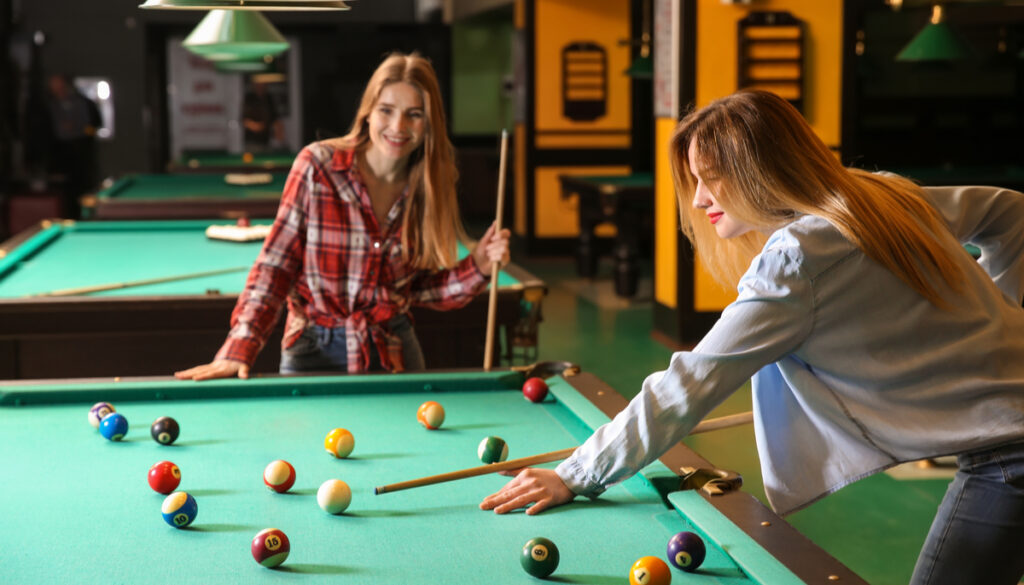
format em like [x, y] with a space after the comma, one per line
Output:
[714, 424]
[492, 302]
[82, 290]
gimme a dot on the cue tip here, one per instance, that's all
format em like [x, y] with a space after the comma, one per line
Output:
[378, 490]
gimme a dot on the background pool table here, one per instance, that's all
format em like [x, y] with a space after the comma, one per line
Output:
[627, 201]
[81, 510]
[157, 329]
[183, 196]
[219, 161]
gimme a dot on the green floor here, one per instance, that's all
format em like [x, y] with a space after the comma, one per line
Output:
[875, 526]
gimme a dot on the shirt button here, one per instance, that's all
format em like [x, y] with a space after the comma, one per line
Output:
[376, 244]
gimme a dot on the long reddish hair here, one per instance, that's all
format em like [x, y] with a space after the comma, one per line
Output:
[431, 226]
[767, 166]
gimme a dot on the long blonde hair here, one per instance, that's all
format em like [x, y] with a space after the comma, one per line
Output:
[431, 225]
[767, 166]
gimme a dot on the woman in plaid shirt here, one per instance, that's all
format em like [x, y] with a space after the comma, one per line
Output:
[367, 228]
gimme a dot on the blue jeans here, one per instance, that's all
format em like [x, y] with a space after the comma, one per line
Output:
[323, 349]
[978, 533]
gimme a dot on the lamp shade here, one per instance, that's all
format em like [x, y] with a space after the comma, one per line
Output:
[936, 42]
[231, 35]
[262, 5]
[243, 66]
[641, 68]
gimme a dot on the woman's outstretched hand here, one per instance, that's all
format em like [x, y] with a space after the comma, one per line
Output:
[215, 369]
[540, 487]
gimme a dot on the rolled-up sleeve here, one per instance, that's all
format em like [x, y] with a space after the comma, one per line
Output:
[275, 271]
[993, 220]
[770, 318]
[444, 290]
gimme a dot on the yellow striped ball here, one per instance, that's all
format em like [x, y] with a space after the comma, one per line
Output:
[339, 443]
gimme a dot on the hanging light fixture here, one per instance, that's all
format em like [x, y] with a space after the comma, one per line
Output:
[243, 66]
[262, 5]
[643, 66]
[936, 42]
[232, 35]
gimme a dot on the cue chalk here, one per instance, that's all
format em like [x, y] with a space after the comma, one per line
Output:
[492, 302]
[713, 424]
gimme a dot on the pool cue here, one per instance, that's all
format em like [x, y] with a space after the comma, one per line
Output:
[492, 302]
[714, 424]
[83, 290]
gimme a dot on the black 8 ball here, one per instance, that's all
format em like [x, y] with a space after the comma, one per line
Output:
[164, 430]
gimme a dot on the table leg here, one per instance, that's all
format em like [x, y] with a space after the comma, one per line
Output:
[586, 256]
[626, 253]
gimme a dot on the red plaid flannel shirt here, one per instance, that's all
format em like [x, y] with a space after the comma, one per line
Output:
[327, 255]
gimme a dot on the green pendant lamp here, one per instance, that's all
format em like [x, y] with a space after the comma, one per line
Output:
[262, 5]
[936, 42]
[244, 66]
[233, 35]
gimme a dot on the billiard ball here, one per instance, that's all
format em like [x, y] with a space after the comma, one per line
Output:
[334, 496]
[179, 509]
[492, 450]
[164, 477]
[649, 571]
[430, 415]
[98, 411]
[247, 157]
[270, 547]
[339, 443]
[279, 476]
[535, 389]
[243, 222]
[114, 426]
[686, 551]
[164, 430]
[539, 557]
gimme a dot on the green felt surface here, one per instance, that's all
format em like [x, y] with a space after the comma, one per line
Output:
[77, 508]
[192, 186]
[199, 159]
[633, 180]
[105, 252]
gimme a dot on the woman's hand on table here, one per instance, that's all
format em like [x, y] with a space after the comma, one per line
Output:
[215, 369]
[541, 487]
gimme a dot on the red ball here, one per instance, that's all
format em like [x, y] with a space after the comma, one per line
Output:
[535, 389]
[270, 547]
[279, 476]
[164, 477]
[244, 222]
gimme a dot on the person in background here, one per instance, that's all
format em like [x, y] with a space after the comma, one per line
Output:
[263, 128]
[74, 120]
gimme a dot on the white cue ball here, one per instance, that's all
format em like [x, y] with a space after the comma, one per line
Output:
[334, 496]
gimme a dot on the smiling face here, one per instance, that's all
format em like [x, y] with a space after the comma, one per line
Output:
[704, 198]
[397, 123]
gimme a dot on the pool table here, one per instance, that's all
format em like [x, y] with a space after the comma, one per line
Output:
[159, 328]
[83, 511]
[219, 161]
[193, 196]
[624, 200]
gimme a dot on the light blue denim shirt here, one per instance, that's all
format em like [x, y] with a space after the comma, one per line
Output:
[852, 370]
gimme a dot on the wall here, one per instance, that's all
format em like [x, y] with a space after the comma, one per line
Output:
[117, 40]
[481, 64]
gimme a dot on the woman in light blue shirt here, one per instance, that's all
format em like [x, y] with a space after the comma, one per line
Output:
[871, 337]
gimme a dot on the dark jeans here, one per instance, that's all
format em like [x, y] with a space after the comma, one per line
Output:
[322, 349]
[978, 533]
